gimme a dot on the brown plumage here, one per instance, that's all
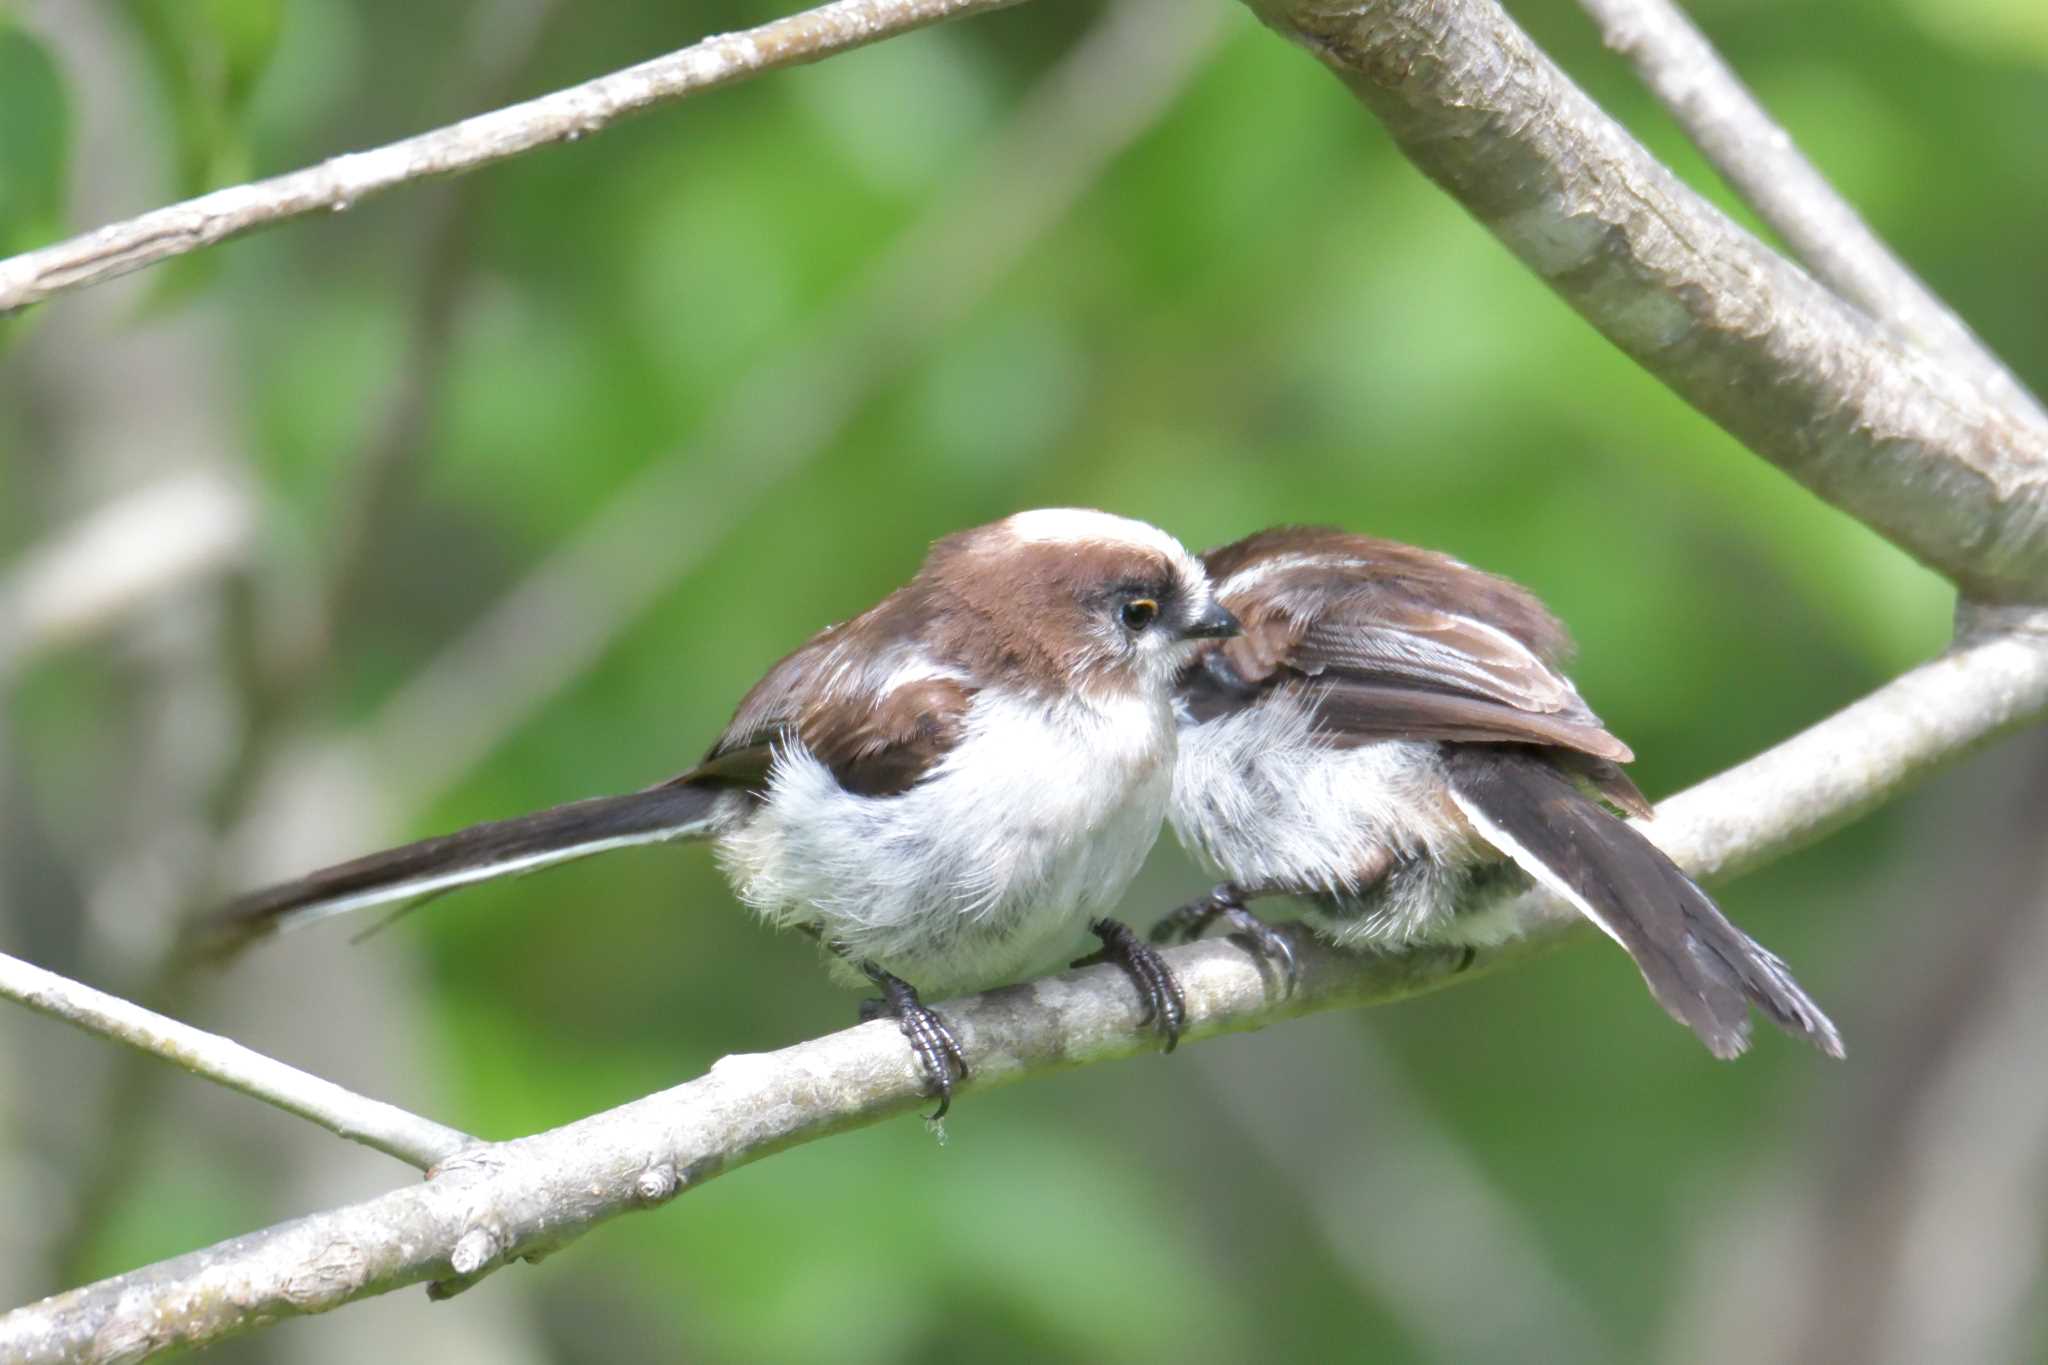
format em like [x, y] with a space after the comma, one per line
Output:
[945, 790]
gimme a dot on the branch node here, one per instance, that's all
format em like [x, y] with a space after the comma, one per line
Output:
[477, 1248]
[657, 1184]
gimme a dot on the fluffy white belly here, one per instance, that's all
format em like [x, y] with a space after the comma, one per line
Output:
[987, 869]
[1260, 800]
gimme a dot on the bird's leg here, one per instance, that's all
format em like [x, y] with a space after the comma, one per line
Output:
[1166, 1009]
[929, 1038]
[1226, 903]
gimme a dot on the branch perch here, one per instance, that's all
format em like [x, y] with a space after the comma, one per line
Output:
[497, 1202]
[1782, 364]
[564, 116]
[385, 1127]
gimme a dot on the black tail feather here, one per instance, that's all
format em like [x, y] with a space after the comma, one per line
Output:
[423, 870]
[1703, 970]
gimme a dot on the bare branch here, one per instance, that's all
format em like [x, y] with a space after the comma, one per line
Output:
[1758, 158]
[1788, 368]
[373, 1123]
[521, 1199]
[564, 116]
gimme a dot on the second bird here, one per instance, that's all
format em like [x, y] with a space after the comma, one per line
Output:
[1392, 726]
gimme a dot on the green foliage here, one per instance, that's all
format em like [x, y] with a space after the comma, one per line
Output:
[35, 144]
[35, 140]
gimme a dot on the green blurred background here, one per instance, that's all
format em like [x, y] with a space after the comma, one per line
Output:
[716, 377]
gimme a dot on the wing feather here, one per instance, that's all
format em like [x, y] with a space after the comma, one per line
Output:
[1391, 641]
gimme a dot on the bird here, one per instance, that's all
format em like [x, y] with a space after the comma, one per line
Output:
[943, 791]
[1391, 730]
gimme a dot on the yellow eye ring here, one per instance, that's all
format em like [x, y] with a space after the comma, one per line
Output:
[1139, 613]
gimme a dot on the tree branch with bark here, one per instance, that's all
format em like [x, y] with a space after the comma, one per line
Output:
[494, 1203]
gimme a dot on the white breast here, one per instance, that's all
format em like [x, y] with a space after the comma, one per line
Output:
[1261, 800]
[988, 868]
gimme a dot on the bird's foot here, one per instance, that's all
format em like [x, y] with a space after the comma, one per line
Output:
[936, 1048]
[1248, 931]
[1166, 1009]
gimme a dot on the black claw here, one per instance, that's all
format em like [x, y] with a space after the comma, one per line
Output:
[1166, 1009]
[1248, 931]
[936, 1048]
[1186, 924]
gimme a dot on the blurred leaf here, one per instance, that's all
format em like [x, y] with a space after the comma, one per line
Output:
[35, 141]
[208, 55]
[2005, 30]
[35, 136]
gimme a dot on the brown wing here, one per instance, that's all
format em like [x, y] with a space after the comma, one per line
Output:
[873, 745]
[1391, 642]
[836, 696]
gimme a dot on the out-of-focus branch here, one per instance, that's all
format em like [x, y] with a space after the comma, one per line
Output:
[520, 1199]
[787, 410]
[1969, 1245]
[1366, 1156]
[1804, 379]
[373, 1123]
[564, 116]
[376, 481]
[1759, 159]
[135, 549]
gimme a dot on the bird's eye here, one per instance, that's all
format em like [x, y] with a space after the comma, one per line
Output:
[1139, 613]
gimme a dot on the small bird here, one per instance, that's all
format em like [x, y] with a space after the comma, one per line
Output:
[1392, 724]
[942, 791]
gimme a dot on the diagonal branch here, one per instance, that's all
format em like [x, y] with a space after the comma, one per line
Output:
[564, 116]
[385, 1127]
[522, 1199]
[1758, 158]
[1788, 368]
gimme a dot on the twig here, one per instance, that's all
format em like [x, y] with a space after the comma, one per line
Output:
[522, 1199]
[1799, 376]
[373, 1123]
[786, 411]
[1759, 159]
[564, 116]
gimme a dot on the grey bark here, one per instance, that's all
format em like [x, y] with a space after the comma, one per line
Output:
[1802, 378]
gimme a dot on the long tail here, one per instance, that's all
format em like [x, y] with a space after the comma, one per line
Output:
[501, 848]
[1702, 969]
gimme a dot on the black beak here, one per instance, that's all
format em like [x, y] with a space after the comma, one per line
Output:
[1215, 623]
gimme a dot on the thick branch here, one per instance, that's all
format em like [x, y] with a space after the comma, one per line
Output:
[387, 1128]
[564, 116]
[1759, 159]
[524, 1198]
[1799, 376]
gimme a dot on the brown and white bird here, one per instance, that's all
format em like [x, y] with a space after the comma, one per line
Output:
[943, 790]
[1391, 725]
